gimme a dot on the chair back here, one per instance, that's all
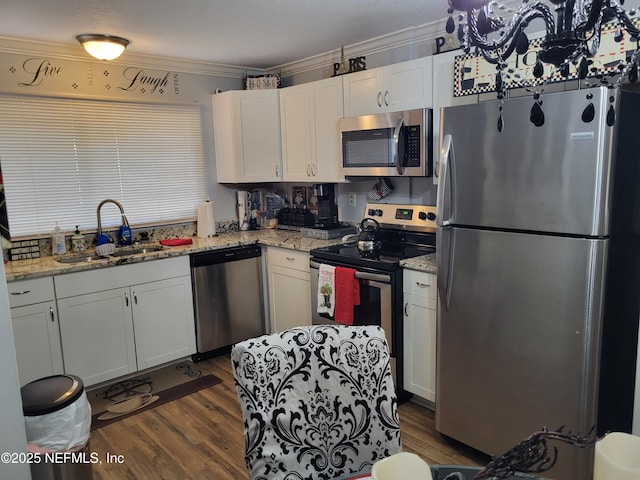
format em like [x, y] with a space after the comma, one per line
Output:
[317, 402]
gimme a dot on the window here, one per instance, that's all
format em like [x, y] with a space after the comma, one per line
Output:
[61, 157]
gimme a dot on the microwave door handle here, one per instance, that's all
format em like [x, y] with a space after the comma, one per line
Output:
[396, 147]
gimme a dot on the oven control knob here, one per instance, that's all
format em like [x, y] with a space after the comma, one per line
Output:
[431, 216]
[379, 213]
[422, 216]
[371, 212]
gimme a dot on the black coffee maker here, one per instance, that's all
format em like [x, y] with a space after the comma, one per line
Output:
[327, 207]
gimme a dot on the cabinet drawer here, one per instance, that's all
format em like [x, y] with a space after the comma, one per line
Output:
[421, 284]
[28, 292]
[293, 259]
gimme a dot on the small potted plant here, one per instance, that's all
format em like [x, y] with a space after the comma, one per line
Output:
[326, 290]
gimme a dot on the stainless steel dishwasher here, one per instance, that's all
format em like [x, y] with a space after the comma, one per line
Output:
[227, 297]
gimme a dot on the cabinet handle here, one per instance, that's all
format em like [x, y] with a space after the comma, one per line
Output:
[22, 292]
[135, 298]
[313, 169]
[291, 259]
[126, 299]
[53, 317]
[308, 170]
[406, 305]
[380, 99]
[277, 171]
[386, 98]
[423, 285]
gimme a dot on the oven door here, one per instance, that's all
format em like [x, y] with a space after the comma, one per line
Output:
[375, 304]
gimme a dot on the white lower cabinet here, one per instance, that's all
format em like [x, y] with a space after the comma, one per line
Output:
[163, 321]
[97, 335]
[289, 287]
[115, 321]
[420, 334]
[36, 334]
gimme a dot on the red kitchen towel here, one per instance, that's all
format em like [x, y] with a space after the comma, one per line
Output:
[347, 294]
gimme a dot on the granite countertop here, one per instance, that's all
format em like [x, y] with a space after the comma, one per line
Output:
[425, 263]
[45, 266]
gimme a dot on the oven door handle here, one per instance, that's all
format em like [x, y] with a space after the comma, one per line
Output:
[374, 277]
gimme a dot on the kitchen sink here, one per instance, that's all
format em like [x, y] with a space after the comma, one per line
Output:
[81, 259]
[119, 253]
[136, 250]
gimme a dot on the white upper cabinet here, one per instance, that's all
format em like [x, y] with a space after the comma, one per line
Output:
[443, 81]
[401, 86]
[246, 126]
[309, 115]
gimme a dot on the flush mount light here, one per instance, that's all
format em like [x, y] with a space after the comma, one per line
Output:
[103, 47]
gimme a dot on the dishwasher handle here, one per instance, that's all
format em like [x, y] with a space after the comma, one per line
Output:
[224, 255]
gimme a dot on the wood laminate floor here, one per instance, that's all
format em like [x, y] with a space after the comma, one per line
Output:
[200, 437]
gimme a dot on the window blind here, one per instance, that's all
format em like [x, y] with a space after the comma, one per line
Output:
[61, 157]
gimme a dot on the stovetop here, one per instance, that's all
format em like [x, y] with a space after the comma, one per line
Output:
[387, 258]
[406, 231]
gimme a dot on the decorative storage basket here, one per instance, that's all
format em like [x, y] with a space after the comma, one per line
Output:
[263, 82]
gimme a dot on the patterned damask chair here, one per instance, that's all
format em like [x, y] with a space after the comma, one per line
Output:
[317, 402]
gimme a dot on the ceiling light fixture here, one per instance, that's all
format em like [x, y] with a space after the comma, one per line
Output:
[571, 41]
[103, 47]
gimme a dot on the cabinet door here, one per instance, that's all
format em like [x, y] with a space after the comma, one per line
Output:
[407, 85]
[163, 321]
[37, 341]
[257, 128]
[419, 347]
[97, 335]
[362, 92]
[327, 108]
[296, 123]
[289, 298]
[246, 126]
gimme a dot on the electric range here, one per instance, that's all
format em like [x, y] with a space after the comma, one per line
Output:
[405, 231]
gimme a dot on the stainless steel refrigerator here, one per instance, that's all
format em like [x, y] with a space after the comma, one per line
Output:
[538, 271]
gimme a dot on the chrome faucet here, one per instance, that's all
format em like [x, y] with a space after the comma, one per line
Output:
[110, 200]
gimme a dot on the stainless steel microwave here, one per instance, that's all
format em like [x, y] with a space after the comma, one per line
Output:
[387, 144]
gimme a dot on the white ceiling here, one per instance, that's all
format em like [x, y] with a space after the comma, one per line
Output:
[249, 33]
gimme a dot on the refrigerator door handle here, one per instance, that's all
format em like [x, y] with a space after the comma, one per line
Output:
[443, 206]
[444, 258]
[396, 147]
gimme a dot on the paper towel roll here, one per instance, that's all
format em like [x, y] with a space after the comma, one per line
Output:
[206, 220]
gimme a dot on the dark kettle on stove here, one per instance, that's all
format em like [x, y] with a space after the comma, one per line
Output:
[368, 238]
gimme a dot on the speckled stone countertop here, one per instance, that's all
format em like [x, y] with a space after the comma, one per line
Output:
[425, 263]
[48, 265]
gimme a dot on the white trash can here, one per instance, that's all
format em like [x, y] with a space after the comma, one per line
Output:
[58, 422]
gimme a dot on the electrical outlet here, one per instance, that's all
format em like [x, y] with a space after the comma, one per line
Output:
[352, 199]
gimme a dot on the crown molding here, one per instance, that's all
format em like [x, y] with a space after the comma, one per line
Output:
[20, 46]
[410, 37]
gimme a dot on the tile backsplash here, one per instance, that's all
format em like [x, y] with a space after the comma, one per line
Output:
[34, 248]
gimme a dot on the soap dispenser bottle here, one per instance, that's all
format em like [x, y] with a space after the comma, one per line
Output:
[124, 233]
[58, 246]
[78, 244]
